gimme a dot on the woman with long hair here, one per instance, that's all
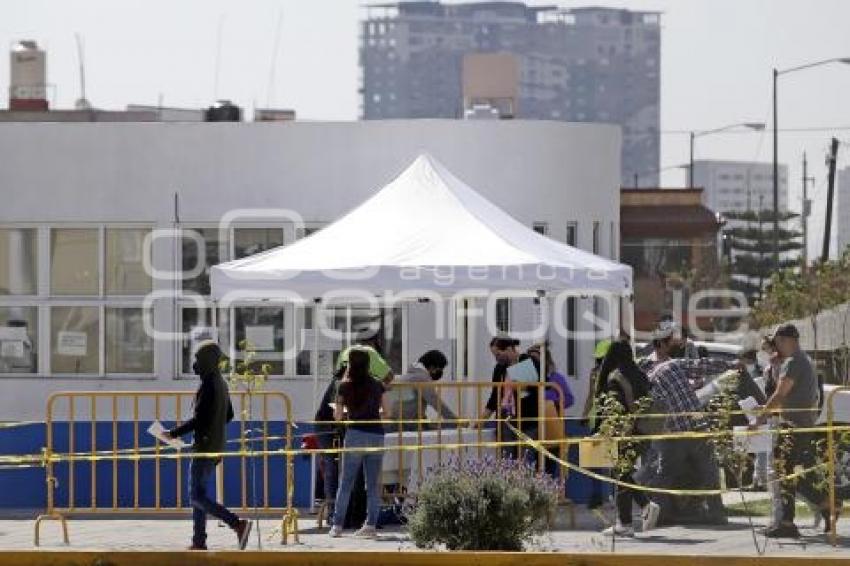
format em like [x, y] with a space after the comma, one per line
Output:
[359, 402]
[621, 378]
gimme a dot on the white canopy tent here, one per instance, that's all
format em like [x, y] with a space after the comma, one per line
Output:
[426, 231]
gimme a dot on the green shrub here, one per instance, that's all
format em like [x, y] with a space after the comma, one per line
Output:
[482, 504]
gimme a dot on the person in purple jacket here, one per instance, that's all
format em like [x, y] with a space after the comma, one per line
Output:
[556, 404]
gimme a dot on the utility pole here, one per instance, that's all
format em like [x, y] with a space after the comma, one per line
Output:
[807, 210]
[833, 153]
[775, 174]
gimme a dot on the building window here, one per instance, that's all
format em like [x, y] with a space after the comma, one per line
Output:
[306, 231]
[18, 261]
[250, 241]
[572, 234]
[572, 311]
[596, 236]
[503, 315]
[18, 340]
[124, 266]
[260, 330]
[541, 228]
[129, 349]
[198, 325]
[74, 266]
[199, 261]
[75, 340]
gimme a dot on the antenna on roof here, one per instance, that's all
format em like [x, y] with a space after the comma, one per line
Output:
[275, 49]
[82, 103]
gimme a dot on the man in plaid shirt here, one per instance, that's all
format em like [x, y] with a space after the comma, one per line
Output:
[684, 463]
[672, 388]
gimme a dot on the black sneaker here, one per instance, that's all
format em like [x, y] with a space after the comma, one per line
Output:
[784, 530]
[243, 531]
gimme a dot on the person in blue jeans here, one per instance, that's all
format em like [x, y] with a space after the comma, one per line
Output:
[212, 412]
[360, 398]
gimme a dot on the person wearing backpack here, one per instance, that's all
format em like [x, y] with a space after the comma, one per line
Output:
[621, 378]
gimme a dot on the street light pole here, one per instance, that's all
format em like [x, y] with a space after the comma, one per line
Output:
[776, 73]
[691, 164]
[775, 175]
[758, 126]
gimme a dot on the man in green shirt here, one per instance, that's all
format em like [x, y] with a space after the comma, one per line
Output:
[378, 366]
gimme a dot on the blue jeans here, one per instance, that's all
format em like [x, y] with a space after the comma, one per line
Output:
[351, 463]
[200, 471]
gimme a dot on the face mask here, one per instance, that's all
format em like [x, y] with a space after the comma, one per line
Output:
[763, 359]
[436, 373]
[677, 351]
[751, 369]
[195, 368]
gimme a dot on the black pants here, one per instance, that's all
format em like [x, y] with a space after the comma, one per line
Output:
[625, 495]
[801, 450]
[690, 464]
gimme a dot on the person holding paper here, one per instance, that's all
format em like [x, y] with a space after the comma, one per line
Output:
[796, 401]
[212, 412]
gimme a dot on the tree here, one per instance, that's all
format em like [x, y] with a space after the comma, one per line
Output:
[793, 295]
[749, 246]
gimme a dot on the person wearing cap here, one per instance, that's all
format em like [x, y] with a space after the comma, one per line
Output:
[667, 343]
[212, 412]
[795, 400]
[504, 401]
[404, 402]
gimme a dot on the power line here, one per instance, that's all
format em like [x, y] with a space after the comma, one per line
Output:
[813, 129]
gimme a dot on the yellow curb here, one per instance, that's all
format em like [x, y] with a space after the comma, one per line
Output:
[365, 558]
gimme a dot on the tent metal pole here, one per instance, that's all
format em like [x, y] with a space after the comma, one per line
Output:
[315, 355]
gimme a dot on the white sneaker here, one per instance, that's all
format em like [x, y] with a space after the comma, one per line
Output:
[649, 516]
[619, 530]
[366, 531]
[335, 532]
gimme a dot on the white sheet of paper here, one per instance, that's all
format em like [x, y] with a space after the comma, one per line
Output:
[72, 343]
[158, 431]
[753, 442]
[12, 349]
[261, 338]
[748, 405]
[523, 372]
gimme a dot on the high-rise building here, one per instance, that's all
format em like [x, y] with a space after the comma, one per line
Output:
[578, 65]
[739, 186]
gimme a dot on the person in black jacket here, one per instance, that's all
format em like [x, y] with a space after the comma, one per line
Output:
[212, 412]
[620, 377]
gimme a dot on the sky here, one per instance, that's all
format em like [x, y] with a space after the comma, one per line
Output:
[716, 61]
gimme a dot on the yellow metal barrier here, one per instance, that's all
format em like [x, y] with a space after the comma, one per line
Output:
[147, 406]
[831, 455]
[466, 401]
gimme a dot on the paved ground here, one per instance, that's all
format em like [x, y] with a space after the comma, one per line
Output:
[173, 534]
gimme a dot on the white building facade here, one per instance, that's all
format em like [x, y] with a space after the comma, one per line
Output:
[739, 186]
[81, 200]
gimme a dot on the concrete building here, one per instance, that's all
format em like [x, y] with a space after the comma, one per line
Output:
[578, 65]
[667, 236]
[739, 186]
[87, 195]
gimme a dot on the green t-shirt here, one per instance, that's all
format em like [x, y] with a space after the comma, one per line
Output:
[378, 366]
